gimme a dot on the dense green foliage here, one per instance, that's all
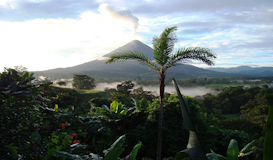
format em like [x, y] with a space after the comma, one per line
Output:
[256, 109]
[83, 82]
[37, 120]
[231, 99]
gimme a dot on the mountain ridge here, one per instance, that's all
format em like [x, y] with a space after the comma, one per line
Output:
[129, 69]
[245, 70]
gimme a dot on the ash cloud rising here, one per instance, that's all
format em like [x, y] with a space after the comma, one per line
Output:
[120, 14]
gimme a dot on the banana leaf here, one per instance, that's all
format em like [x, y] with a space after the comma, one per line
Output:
[68, 155]
[115, 149]
[233, 150]
[215, 156]
[114, 154]
[194, 149]
[135, 150]
[268, 142]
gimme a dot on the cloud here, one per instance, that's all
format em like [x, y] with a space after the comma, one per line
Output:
[28, 10]
[66, 32]
[6, 3]
[62, 42]
[120, 14]
[198, 6]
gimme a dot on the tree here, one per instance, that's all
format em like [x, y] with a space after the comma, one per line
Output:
[125, 87]
[256, 109]
[163, 47]
[61, 83]
[83, 82]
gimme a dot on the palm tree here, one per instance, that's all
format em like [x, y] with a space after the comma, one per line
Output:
[163, 47]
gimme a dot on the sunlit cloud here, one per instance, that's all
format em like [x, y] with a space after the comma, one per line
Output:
[63, 42]
[45, 34]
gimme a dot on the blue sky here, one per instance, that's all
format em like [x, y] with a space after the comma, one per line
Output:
[46, 34]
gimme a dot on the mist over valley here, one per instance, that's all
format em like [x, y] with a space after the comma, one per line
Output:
[187, 91]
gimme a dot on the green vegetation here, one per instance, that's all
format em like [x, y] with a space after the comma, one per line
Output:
[61, 83]
[40, 121]
[83, 82]
[163, 47]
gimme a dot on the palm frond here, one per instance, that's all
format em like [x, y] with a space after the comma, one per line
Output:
[163, 45]
[129, 55]
[197, 53]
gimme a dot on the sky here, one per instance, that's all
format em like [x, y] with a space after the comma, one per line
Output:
[47, 34]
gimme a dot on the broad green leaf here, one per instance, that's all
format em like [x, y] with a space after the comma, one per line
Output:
[77, 146]
[117, 144]
[268, 142]
[119, 109]
[135, 150]
[215, 156]
[55, 136]
[181, 155]
[245, 154]
[54, 140]
[94, 156]
[122, 113]
[68, 155]
[195, 151]
[187, 123]
[14, 150]
[113, 106]
[113, 154]
[193, 140]
[248, 146]
[233, 150]
[105, 108]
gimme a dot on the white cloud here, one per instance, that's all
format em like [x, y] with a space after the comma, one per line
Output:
[7, 3]
[62, 42]
[119, 14]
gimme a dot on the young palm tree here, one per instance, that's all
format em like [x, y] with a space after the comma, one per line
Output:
[163, 47]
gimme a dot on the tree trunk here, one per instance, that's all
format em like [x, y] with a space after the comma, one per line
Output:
[160, 121]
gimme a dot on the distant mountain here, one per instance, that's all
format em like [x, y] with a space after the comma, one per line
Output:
[134, 46]
[246, 70]
[128, 69]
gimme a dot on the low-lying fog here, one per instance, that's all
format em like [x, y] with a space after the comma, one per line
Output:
[192, 92]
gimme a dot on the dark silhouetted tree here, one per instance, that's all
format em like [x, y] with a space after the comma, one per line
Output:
[83, 82]
[61, 83]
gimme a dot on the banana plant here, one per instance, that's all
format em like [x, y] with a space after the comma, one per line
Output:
[233, 152]
[194, 149]
[112, 153]
[116, 110]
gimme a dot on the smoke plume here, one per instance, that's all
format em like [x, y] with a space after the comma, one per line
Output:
[121, 14]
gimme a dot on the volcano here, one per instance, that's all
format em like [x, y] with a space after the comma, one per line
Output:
[128, 69]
